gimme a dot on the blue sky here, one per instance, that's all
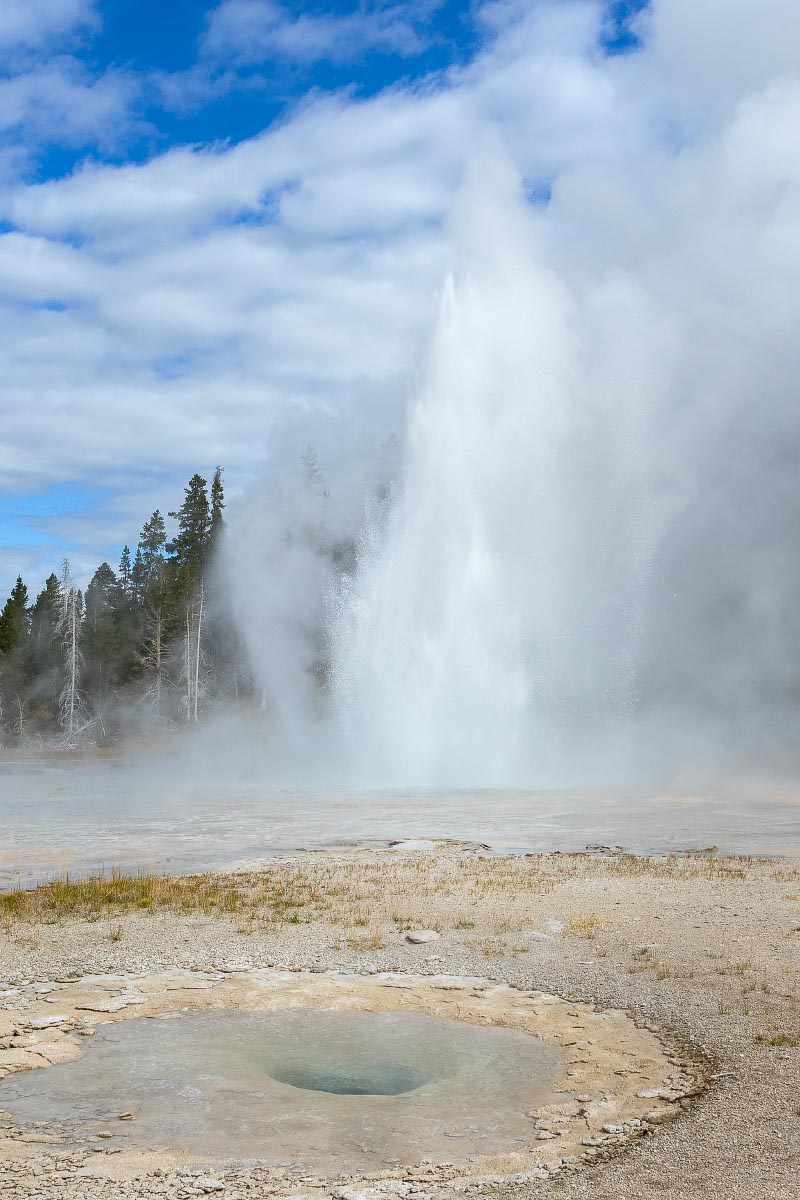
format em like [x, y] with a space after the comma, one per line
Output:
[150, 77]
[207, 88]
[224, 225]
[194, 79]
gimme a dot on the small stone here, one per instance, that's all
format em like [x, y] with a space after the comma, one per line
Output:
[657, 1116]
[613, 1129]
[112, 1004]
[126, 1116]
[544, 1135]
[419, 936]
[46, 1022]
[105, 1133]
[211, 1185]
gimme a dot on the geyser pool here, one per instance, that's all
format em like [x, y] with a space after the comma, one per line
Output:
[328, 1091]
[369, 1076]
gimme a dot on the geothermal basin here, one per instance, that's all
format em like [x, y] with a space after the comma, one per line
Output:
[326, 1075]
[85, 813]
[328, 1091]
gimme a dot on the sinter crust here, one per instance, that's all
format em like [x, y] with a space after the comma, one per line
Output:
[620, 1079]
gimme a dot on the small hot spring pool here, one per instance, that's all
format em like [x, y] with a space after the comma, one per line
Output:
[327, 1090]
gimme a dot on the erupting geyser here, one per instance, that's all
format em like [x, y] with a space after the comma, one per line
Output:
[582, 573]
[496, 617]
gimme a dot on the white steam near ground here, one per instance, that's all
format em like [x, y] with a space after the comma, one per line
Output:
[587, 564]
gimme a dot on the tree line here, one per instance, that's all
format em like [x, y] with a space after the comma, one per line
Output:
[142, 648]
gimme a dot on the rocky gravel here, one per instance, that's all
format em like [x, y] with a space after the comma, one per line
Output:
[710, 958]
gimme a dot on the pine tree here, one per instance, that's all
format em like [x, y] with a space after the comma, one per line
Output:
[189, 546]
[221, 646]
[151, 545]
[138, 632]
[138, 579]
[217, 506]
[125, 572]
[310, 470]
[14, 638]
[102, 637]
[44, 656]
[153, 657]
[14, 619]
[189, 551]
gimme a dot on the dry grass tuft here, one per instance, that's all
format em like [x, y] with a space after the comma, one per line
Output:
[586, 927]
[97, 895]
[366, 941]
[388, 894]
[776, 1038]
[733, 968]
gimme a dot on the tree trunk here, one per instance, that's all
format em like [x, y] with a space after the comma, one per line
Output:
[188, 666]
[157, 658]
[197, 650]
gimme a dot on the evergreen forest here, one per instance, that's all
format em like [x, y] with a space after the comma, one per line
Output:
[143, 648]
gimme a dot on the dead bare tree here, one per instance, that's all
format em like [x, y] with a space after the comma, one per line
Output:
[197, 647]
[72, 717]
[153, 656]
[193, 658]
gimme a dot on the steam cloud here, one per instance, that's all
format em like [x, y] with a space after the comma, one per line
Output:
[590, 568]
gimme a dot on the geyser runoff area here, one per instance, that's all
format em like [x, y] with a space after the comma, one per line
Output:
[328, 1076]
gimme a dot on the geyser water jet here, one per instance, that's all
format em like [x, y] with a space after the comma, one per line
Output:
[587, 574]
[496, 617]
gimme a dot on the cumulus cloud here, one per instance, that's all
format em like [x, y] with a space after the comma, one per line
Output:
[61, 103]
[49, 95]
[699, 60]
[250, 31]
[191, 307]
[34, 24]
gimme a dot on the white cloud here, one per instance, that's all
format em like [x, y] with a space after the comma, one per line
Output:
[702, 58]
[250, 31]
[215, 295]
[60, 102]
[34, 24]
[48, 95]
[35, 270]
